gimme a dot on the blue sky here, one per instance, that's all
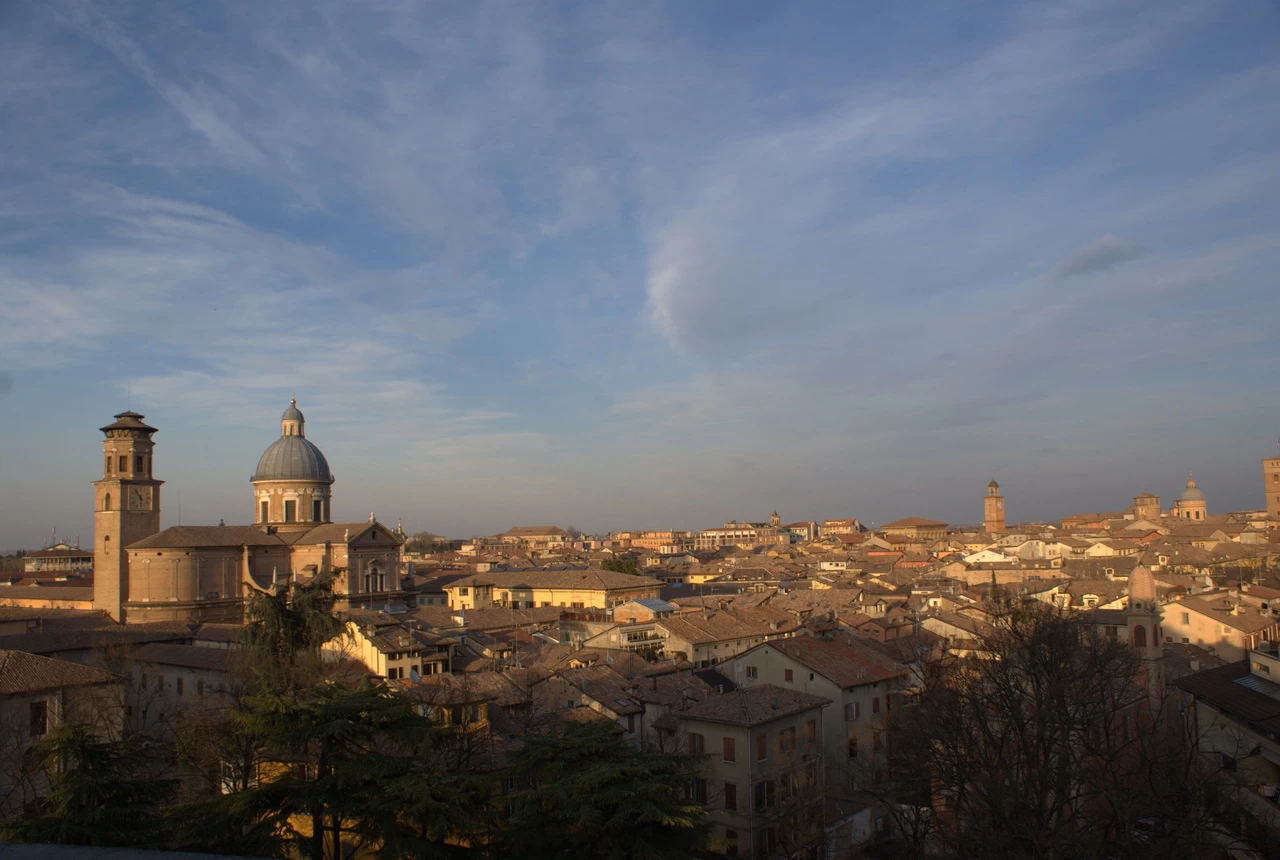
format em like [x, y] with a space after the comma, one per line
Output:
[621, 264]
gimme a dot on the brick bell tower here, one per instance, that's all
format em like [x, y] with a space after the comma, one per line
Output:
[993, 509]
[126, 508]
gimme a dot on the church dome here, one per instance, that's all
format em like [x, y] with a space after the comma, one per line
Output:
[292, 458]
[1192, 493]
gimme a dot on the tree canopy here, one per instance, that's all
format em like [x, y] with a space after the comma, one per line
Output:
[586, 792]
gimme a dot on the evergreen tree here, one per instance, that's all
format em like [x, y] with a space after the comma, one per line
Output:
[591, 794]
[101, 793]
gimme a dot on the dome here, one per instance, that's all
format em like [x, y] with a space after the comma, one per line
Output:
[292, 458]
[1192, 493]
[293, 413]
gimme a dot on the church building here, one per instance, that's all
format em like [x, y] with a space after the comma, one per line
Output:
[207, 573]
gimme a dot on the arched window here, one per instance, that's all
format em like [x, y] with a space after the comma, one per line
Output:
[1140, 636]
[106, 502]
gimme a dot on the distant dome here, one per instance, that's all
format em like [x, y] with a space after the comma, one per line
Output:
[292, 458]
[293, 413]
[1142, 585]
[1192, 493]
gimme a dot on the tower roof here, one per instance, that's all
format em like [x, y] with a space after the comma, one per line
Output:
[1142, 585]
[129, 420]
[993, 485]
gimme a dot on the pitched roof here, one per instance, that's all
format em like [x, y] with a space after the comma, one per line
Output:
[177, 537]
[844, 665]
[188, 656]
[911, 521]
[753, 706]
[1222, 687]
[21, 672]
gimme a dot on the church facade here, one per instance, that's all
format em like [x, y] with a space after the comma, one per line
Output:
[207, 573]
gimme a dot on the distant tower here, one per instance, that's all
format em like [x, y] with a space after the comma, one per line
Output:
[126, 507]
[1143, 615]
[775, 520]
[1271, 485]
[1146, 506]
[292, 485]
[1191, 504]
[993, 509]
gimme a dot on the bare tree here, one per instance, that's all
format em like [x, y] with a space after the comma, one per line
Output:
[1056, 742]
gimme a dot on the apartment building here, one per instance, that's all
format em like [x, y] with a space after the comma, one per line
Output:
[857, 680]
[764, 784]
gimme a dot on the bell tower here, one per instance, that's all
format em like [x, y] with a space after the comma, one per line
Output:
[126, 507]
[993, 509]
[1271, 485]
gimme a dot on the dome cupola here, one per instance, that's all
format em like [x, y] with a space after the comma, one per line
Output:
[1192, 493]
[292, 482]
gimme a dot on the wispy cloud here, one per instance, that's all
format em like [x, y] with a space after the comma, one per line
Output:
[1100, 255]
[639, 260]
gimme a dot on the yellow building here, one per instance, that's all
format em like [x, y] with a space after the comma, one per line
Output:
[573, 588]
[915, 528]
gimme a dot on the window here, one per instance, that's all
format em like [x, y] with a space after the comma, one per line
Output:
[787, 676]
[122, 463]
[106, 502]
[752, 673]
[765, 795]
[848, 712]
[1186, 618]
[731, 797]
[766, 842]
[262, 509]
[290, 511]
[731, 843]
[199, 687]
[784, 782]
[730, 749]
[178, 686]
[787, 740]
[464, 592]
[698, 790]
[762, 747]
[695, 743]
[39, 718]
[853, 747]
[811, 731]
[317, 510]
[875, 705]
[107, 467]
[137, 464]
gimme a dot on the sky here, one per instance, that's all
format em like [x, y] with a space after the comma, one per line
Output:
[638, 264]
